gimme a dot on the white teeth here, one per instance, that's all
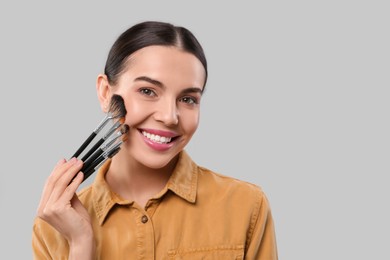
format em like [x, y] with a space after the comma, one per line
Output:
[157, 138]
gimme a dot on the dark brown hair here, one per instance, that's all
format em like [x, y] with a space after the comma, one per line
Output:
[147, 34]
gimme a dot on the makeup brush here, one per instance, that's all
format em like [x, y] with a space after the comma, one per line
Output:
[116, 110]
[113, 150]
[110, 132]
[102, 159]
[106, 145]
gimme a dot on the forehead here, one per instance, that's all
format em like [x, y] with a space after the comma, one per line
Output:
[166, 63]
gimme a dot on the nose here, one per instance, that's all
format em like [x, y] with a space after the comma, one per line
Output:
[167, 112]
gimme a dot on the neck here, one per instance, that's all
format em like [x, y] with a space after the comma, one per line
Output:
[136, 182]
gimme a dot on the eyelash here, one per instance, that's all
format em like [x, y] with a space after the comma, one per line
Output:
[192, 100]
[144, 90]
[187, 99]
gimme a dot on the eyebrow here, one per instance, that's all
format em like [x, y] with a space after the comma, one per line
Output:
[150, 80]
[192, 90]
[161, 85]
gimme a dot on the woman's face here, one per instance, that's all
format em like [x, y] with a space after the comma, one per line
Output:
[162, 87]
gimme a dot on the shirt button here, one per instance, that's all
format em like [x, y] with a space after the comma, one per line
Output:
[144, 219]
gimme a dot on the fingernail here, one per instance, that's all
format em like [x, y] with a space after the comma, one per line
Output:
[61, 161]
[73, 160]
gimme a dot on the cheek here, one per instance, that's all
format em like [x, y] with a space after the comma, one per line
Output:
[136, 111]
[190, 121]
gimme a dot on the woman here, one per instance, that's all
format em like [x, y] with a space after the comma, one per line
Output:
[151, 201]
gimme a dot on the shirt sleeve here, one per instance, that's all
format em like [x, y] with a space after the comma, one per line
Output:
[47, 243]
[39, 248]
[262, 239]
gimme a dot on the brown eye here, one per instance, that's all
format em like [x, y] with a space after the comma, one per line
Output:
[189, 100]
[147, 92]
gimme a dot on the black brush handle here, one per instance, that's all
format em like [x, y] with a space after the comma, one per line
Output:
[91, 168]
[93, 149]
[84, 145]
[102, 158]
[92, 158]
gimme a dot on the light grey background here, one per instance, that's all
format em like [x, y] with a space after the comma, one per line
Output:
[297, 102]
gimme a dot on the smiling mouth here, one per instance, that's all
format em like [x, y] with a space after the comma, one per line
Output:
[157, 138]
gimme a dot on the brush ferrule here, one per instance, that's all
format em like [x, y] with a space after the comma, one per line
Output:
[111, 141]
[108, 152]
[112, 129]
[109, 155]
[102, 123]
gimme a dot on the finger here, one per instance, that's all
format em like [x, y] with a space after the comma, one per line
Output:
[64, 180]
[70, 190]
[71, 173]
[60, 168]
[57, 204]
[51, 180]
[58, 171]
[60, 162]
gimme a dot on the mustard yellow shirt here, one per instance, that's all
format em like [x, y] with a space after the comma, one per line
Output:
[198, 215]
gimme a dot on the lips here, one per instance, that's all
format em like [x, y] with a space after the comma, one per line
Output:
[158, 139]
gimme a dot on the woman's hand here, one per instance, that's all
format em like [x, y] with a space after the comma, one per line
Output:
[61, 208]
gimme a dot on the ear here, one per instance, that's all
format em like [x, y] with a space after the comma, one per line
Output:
[103, 92]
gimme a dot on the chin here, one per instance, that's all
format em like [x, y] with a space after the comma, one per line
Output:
[155, 165]
[157, 161]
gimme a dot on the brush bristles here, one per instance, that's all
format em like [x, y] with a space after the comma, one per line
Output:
[124, 138]
[117, 107]
[124, 129]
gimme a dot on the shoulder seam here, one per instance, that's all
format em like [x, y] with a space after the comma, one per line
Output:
[255, 216]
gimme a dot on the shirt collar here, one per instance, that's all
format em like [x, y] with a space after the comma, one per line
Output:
[184, 179]
[183, 182]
